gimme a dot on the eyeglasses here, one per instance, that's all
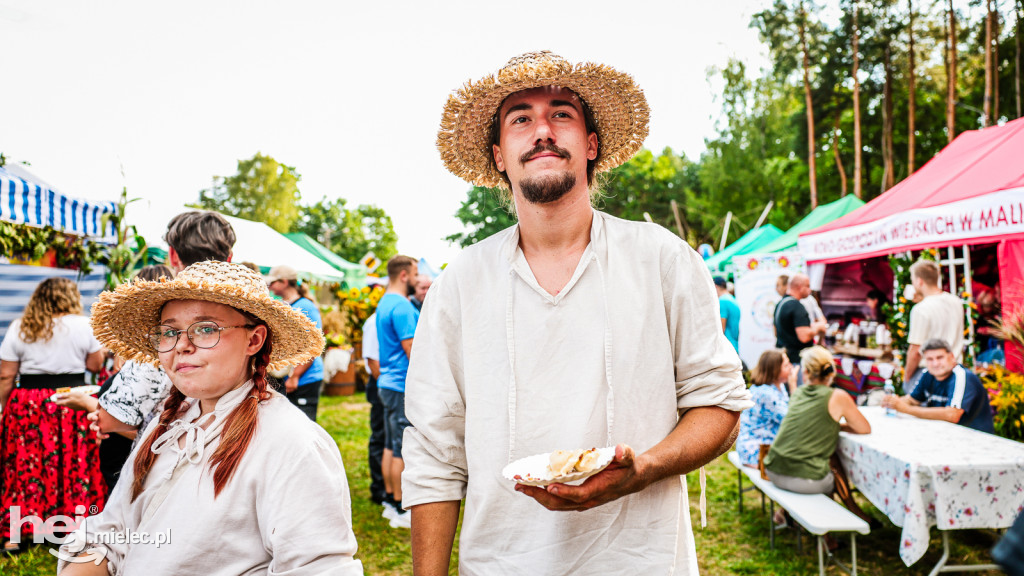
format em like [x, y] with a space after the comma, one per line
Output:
[204, 334]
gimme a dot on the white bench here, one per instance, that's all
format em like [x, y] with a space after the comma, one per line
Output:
[817, 513]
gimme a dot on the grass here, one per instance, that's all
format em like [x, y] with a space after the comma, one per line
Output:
[731, 544]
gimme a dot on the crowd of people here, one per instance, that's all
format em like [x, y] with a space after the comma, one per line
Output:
[526, 344]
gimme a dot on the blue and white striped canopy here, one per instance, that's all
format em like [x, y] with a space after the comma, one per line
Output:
[24, 201]
[18, 282]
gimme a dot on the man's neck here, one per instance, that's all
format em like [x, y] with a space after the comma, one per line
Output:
[555, 228]
[397, 288]
[290, 296]
[930, 290]
[794, 295]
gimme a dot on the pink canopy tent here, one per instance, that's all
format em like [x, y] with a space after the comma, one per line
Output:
[970, 193]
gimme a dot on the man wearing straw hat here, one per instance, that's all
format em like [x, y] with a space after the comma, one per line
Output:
[570, 330]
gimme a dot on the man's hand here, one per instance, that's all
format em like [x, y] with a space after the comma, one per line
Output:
[77, 400]
[621, 478]
[291, 384]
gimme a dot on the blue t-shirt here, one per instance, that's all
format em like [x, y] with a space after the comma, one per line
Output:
[961, 389]
[315, 373]
[396, 321]
[730, 311]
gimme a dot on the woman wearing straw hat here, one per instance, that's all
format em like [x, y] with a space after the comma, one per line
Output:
[222, 482]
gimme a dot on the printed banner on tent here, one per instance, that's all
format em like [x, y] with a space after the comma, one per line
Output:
[755, 293]
[996, 214]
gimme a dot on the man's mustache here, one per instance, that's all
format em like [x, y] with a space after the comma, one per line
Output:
[544, 147]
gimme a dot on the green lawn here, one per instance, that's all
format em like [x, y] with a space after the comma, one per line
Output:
[731, 544]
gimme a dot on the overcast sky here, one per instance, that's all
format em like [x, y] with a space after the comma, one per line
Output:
[348, 93]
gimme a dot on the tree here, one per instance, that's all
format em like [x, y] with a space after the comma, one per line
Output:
[858, 149]
[951, 75]
[263, 190]
[349, 233]
[485, 213]
[911, 89]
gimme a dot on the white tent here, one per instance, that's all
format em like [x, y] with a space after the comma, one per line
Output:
[254, 242]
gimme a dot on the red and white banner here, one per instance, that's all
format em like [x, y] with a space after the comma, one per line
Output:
[994, 215]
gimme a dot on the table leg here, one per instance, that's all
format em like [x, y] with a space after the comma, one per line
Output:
[942, 567]
[821, 558]
[771, 527]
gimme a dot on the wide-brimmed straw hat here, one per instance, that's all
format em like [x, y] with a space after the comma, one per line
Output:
[122, 318]
[619, 108]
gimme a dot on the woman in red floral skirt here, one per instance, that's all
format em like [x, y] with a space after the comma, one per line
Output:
[49, 460]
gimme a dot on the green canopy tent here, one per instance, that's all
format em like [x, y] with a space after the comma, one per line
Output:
[355, 275]
[820, 216]
[749, 242]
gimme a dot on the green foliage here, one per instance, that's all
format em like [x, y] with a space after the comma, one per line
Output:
[484, 212]
[263, 190]
[20, 242]
[129, 249]
[648, 184]
[349, 233]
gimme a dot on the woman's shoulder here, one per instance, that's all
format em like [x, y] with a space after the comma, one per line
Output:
[283, 427]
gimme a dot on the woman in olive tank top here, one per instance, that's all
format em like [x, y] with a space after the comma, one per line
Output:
[799, 457]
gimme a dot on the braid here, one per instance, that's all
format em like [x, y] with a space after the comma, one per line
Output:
[145, 457]
[240, 425]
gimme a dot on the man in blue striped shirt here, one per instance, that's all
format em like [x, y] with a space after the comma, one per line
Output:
[947, 391]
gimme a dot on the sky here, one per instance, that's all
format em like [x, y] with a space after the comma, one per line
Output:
[162, 97]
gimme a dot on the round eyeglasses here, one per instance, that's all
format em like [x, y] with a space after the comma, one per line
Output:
[204, 334]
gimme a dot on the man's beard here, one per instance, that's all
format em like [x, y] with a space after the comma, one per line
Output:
[547, 189]
[410, 289]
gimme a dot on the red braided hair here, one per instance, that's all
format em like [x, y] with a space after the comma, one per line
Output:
[239, 427]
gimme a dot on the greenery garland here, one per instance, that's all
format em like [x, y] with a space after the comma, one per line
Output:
[29, 243]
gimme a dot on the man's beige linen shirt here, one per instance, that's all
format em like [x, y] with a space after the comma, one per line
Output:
[501, 370]
[938, 316]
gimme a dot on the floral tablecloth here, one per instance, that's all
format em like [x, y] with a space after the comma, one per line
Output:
[924, 473]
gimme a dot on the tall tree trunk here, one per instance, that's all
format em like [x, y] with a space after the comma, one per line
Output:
[987, 106]
[811, 161]
[951, 76]
[889, 176]
[856, 106]
[995, 63]
[835, 151]
[1020, 8]
[912, 89]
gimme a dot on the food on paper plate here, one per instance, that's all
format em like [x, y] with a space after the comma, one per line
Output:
[562, 466]
[64, 390]
[566, 462]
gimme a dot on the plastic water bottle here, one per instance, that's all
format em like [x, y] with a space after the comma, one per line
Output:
[889, 391]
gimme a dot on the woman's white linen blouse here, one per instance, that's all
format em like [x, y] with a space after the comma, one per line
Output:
[286, 510]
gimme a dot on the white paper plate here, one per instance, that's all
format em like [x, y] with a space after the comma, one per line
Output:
[533, 470]
[88, 390]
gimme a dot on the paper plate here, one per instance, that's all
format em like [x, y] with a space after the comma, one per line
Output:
[88, 390]
[533, 470]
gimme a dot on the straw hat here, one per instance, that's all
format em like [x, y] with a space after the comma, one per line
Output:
[617, 104]
[121, 319]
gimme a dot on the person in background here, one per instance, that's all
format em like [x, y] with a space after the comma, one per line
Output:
[729, 312]
[939, 314]
[799, 459]
[771, 383]
[137, 394]
[875, 300]
[794, 329]
[782, 285]
[396, 326]
[251, 266]
[49, 460]
[423, 283]
[946, 391]
[375, 447]
[303, 384]
[115, 448]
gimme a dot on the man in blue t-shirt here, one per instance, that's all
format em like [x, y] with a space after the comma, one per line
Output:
[947, 391]
[396, 325]
[303, 384]
[729, 312]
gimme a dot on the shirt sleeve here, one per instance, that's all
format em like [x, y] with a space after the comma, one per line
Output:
[799, 314]
[920, 392]
[434, 447]
[10, 348]
[306, 535]
[707, 368]
[121, 399]
[405, 319]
